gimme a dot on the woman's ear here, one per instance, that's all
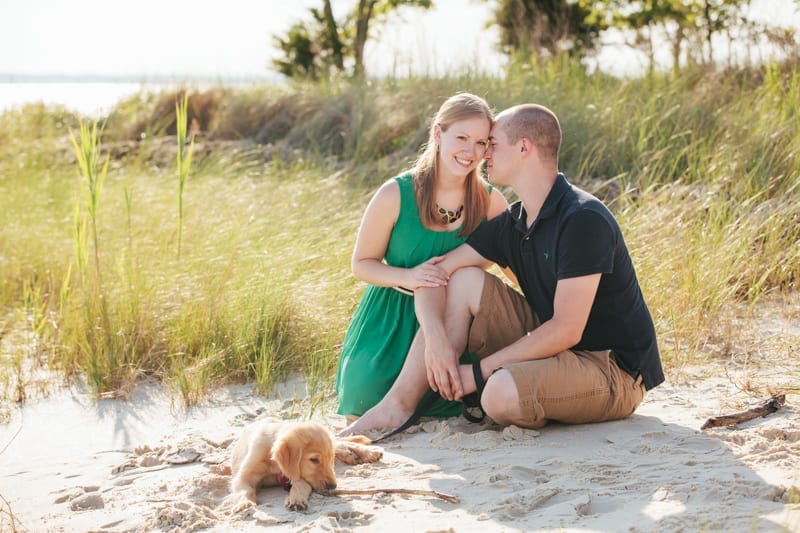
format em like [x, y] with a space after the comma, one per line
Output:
[287, 454]
[437, 134]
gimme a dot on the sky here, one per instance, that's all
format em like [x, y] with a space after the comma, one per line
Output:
[220, 39]
[233, 38]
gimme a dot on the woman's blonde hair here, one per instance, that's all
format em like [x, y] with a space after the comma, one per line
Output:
[462, 106]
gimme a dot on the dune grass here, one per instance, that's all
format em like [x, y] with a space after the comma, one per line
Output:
[8, 521]
[229, 309]
[701, 170]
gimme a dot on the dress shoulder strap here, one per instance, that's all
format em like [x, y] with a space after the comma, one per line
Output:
[407, 199]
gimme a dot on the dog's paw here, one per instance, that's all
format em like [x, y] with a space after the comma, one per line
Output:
[346, 456]
[355, 454]
[241, 498]
[371, 454]
[294, 503]
[242, 505]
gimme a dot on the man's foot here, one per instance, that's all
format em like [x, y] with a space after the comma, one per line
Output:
[384, 416]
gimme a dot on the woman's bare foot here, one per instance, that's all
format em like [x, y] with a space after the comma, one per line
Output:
[386, 415]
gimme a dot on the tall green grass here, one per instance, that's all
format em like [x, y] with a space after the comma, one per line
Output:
[701, 171]
[183, 158]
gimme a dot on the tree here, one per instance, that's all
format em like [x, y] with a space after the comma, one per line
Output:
[645, 19]
[311, 50]
[547, 27]
[300, 54]
[326, 46]
[331, 38]
[689, 25]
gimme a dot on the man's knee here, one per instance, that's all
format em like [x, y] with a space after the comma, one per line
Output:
[465, 286]
[500, 399]
[501, 402]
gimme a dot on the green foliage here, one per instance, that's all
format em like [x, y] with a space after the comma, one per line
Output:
[690, 26]
[302, 57]
[324, 47]
[183, 158]
[546, 27]
[93, 176]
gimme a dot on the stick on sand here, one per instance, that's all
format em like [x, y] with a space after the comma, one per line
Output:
[772, 405]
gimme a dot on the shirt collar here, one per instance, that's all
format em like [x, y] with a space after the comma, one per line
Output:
[557, 191]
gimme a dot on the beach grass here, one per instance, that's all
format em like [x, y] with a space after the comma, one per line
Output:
[701, 171]
[8, 521]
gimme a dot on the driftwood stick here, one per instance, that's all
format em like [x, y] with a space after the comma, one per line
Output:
[364, 492]
[772, 405]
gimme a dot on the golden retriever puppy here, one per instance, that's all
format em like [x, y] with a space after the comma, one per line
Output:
[299, 456]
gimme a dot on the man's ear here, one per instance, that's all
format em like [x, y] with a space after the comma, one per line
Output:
[525, 145]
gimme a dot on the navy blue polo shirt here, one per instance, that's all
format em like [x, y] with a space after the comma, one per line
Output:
[576, 235]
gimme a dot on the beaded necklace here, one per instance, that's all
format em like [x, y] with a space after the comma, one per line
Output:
[447, 216]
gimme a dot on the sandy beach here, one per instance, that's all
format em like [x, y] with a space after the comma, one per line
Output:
[70, 463]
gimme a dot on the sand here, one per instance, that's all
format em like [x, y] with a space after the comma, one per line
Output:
[70, 463]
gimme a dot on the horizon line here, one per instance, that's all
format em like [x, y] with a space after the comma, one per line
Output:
[13, 77]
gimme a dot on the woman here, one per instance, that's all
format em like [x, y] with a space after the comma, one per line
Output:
[410, 221]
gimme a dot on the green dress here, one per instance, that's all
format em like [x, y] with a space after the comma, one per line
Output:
[383, 326]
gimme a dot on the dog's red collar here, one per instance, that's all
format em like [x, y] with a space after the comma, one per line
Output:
[285, 482]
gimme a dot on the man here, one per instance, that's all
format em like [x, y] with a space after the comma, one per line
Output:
[578, 347]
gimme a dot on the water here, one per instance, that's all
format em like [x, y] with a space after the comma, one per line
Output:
[88, 98]
[91, 99]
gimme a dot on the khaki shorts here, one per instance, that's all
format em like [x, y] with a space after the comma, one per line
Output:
[574, 386]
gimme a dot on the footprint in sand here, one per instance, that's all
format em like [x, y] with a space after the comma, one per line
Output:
[558, 503]
[82, 498]
[72, 493]
[518, 433]
[184, 516]
[243, 419]
[483, 440]
[522, 503]
[351, 518]
[87, 502]
[787, 435]
[517, 475]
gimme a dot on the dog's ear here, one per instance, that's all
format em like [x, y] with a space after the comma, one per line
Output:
[287, 453]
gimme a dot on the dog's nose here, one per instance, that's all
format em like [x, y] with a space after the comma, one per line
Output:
[330, 485]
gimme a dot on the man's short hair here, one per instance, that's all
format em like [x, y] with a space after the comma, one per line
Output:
[534, 122]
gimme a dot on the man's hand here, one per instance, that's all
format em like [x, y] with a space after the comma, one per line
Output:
[441, 363]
